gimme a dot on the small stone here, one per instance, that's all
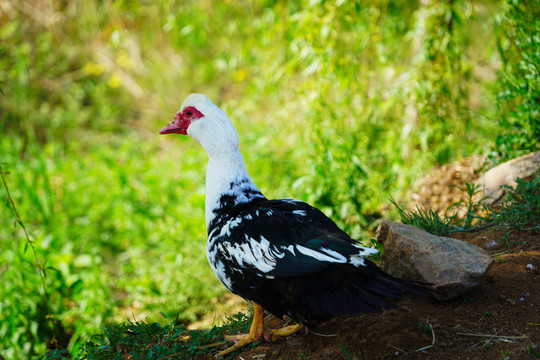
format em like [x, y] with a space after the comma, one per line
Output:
[521, 299]
[502, 297]
[491, 244]
[530, 267]
[511, 301]
[527, 295]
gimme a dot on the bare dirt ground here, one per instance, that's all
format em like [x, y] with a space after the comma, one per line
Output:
[500, 319]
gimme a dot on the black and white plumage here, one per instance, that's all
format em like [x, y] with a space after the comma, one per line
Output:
[284, 255]
[292, 260]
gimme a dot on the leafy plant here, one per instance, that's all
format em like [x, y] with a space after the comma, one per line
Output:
[473, 207]
[518, 83]
[61, 354]
[506, 240]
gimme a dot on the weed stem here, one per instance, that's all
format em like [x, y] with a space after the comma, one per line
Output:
[31, 243]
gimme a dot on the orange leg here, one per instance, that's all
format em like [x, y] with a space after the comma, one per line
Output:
[286, 331]
[258, 333]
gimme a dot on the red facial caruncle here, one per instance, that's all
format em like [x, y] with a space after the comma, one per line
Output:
[181, 121]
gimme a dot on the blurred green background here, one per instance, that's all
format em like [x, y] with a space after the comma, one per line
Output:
[339, 103]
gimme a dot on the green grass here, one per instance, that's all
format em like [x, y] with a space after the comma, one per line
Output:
[112, 238]
[146, 340]
[519, 210]
[334, 103]
[427, 219]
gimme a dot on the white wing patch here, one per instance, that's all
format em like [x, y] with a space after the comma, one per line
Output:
[229, 225]
[358, 259]
[327, 255]
[257, 253]
[366, 251]
[322, 254]
[292, 201]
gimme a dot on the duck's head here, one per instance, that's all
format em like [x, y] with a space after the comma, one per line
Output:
[200, 119]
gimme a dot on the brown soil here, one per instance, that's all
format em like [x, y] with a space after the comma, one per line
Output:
[444, 185]
[500, 319]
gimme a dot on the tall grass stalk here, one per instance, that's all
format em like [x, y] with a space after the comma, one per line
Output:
[427, 219]
[41, 270]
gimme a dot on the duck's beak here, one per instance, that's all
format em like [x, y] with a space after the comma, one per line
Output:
[179, 125]
[170, 128]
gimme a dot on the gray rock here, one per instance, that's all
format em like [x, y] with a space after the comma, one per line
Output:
[492, 244]
[506, 174]
[451, 267]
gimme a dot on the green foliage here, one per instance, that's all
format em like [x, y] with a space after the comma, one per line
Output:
[471, 206]
[145, 340]
[521, 208]
[1, 83]
[361, 130]
[506, 240]
[518, 86]
[38, 264]
[442, 90]
[57, 354]
[337, 103]
[97, 233]
[51, 93]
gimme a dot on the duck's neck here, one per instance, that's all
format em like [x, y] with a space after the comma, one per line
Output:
[227, 184]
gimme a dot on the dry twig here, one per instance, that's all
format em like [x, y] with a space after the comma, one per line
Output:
[495, 336]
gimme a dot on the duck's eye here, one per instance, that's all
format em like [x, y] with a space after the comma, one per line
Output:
[189, 113]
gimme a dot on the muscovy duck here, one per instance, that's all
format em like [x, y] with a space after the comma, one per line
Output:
[283, 255]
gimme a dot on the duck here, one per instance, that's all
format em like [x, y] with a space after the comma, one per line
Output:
[282, 255]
